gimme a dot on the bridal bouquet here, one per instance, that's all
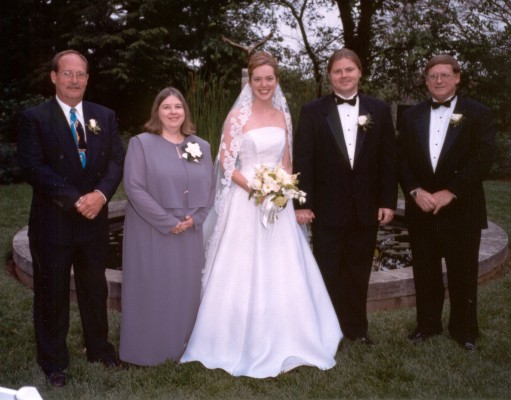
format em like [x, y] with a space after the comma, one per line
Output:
[272, 188]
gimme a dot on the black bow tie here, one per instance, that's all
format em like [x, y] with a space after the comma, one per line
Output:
[340, 100]
[435, 104]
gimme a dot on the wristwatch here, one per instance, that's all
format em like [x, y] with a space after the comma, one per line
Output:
[415, 192]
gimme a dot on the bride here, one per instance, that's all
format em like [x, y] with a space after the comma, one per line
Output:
[264, 308]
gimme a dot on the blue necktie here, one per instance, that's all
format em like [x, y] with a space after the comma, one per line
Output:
[78, 135]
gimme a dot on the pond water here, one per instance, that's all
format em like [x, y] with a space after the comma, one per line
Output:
[392, 246]
[392, 249]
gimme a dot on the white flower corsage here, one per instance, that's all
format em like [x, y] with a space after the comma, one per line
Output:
[192, 152]
[456, 119]
[365, 121]
[93, 126]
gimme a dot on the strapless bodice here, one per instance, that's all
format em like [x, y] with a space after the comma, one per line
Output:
[261, 146]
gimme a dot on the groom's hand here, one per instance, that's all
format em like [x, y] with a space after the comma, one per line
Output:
[385, 215]
[304, 216]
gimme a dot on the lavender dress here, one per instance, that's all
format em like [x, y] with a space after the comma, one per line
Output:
[162, 271]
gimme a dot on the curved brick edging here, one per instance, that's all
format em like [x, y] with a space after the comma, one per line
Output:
[23, 261]
[395, 288]
[387, 289]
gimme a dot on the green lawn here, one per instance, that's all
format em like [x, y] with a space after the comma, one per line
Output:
[392, 369]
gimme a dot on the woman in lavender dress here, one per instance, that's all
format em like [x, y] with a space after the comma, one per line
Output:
[168, 179]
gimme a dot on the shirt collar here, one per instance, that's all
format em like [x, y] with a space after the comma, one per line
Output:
[66, 108]
[346, 98]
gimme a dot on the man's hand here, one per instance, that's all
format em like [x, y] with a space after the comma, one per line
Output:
[425, 201]
[385, 215]
[90, 204]
[442, 198]
[304, 216]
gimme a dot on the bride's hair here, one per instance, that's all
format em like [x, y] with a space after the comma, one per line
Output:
[262, 58]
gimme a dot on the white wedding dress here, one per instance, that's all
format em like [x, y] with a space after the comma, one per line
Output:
[264, 308]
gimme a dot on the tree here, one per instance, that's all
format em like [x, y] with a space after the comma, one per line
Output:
[317, 38]
[135, 47]
[355, 31]
[358, 28]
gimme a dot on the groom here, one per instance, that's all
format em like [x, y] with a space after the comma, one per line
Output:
[345, 153]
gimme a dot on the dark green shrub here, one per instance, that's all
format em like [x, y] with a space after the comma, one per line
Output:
[9, 170]
[11, 104]
[501, 167]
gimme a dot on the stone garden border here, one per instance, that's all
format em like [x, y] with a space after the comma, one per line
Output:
[387, 289]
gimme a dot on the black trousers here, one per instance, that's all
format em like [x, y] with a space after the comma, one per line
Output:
[459, 246]
[52, 270]
[345, 257]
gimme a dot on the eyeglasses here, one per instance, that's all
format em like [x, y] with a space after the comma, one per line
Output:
[80, 76]
[443, 77]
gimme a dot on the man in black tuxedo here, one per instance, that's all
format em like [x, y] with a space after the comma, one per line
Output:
[345, 153]
[445, 149]
[70, 153]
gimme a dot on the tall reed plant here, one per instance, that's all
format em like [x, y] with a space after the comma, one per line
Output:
[210, 101]
[298, 91]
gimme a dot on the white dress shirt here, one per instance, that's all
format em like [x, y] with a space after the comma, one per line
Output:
[438, 125]
[79, 114]
[349, 122]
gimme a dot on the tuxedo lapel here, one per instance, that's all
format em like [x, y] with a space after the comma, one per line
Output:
[361, 133]
[62, 131]
[334, 123]
[422, 128]
[452, 131]
[93, 139]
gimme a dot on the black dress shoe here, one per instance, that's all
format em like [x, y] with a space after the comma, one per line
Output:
[56, 378]
[365, 340]
[108, 362]
[420, 336]
[361, 339]
[469, 345]
[111, 362]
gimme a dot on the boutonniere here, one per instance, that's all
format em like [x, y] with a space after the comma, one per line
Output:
[93, 126]
[365, 122]
[192, 152]
[456, 119]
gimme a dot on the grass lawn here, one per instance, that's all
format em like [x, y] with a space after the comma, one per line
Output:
[437, 369]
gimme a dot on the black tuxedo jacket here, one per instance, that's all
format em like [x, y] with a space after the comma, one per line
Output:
[50, 163]
[464, 161]
[334, 189]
